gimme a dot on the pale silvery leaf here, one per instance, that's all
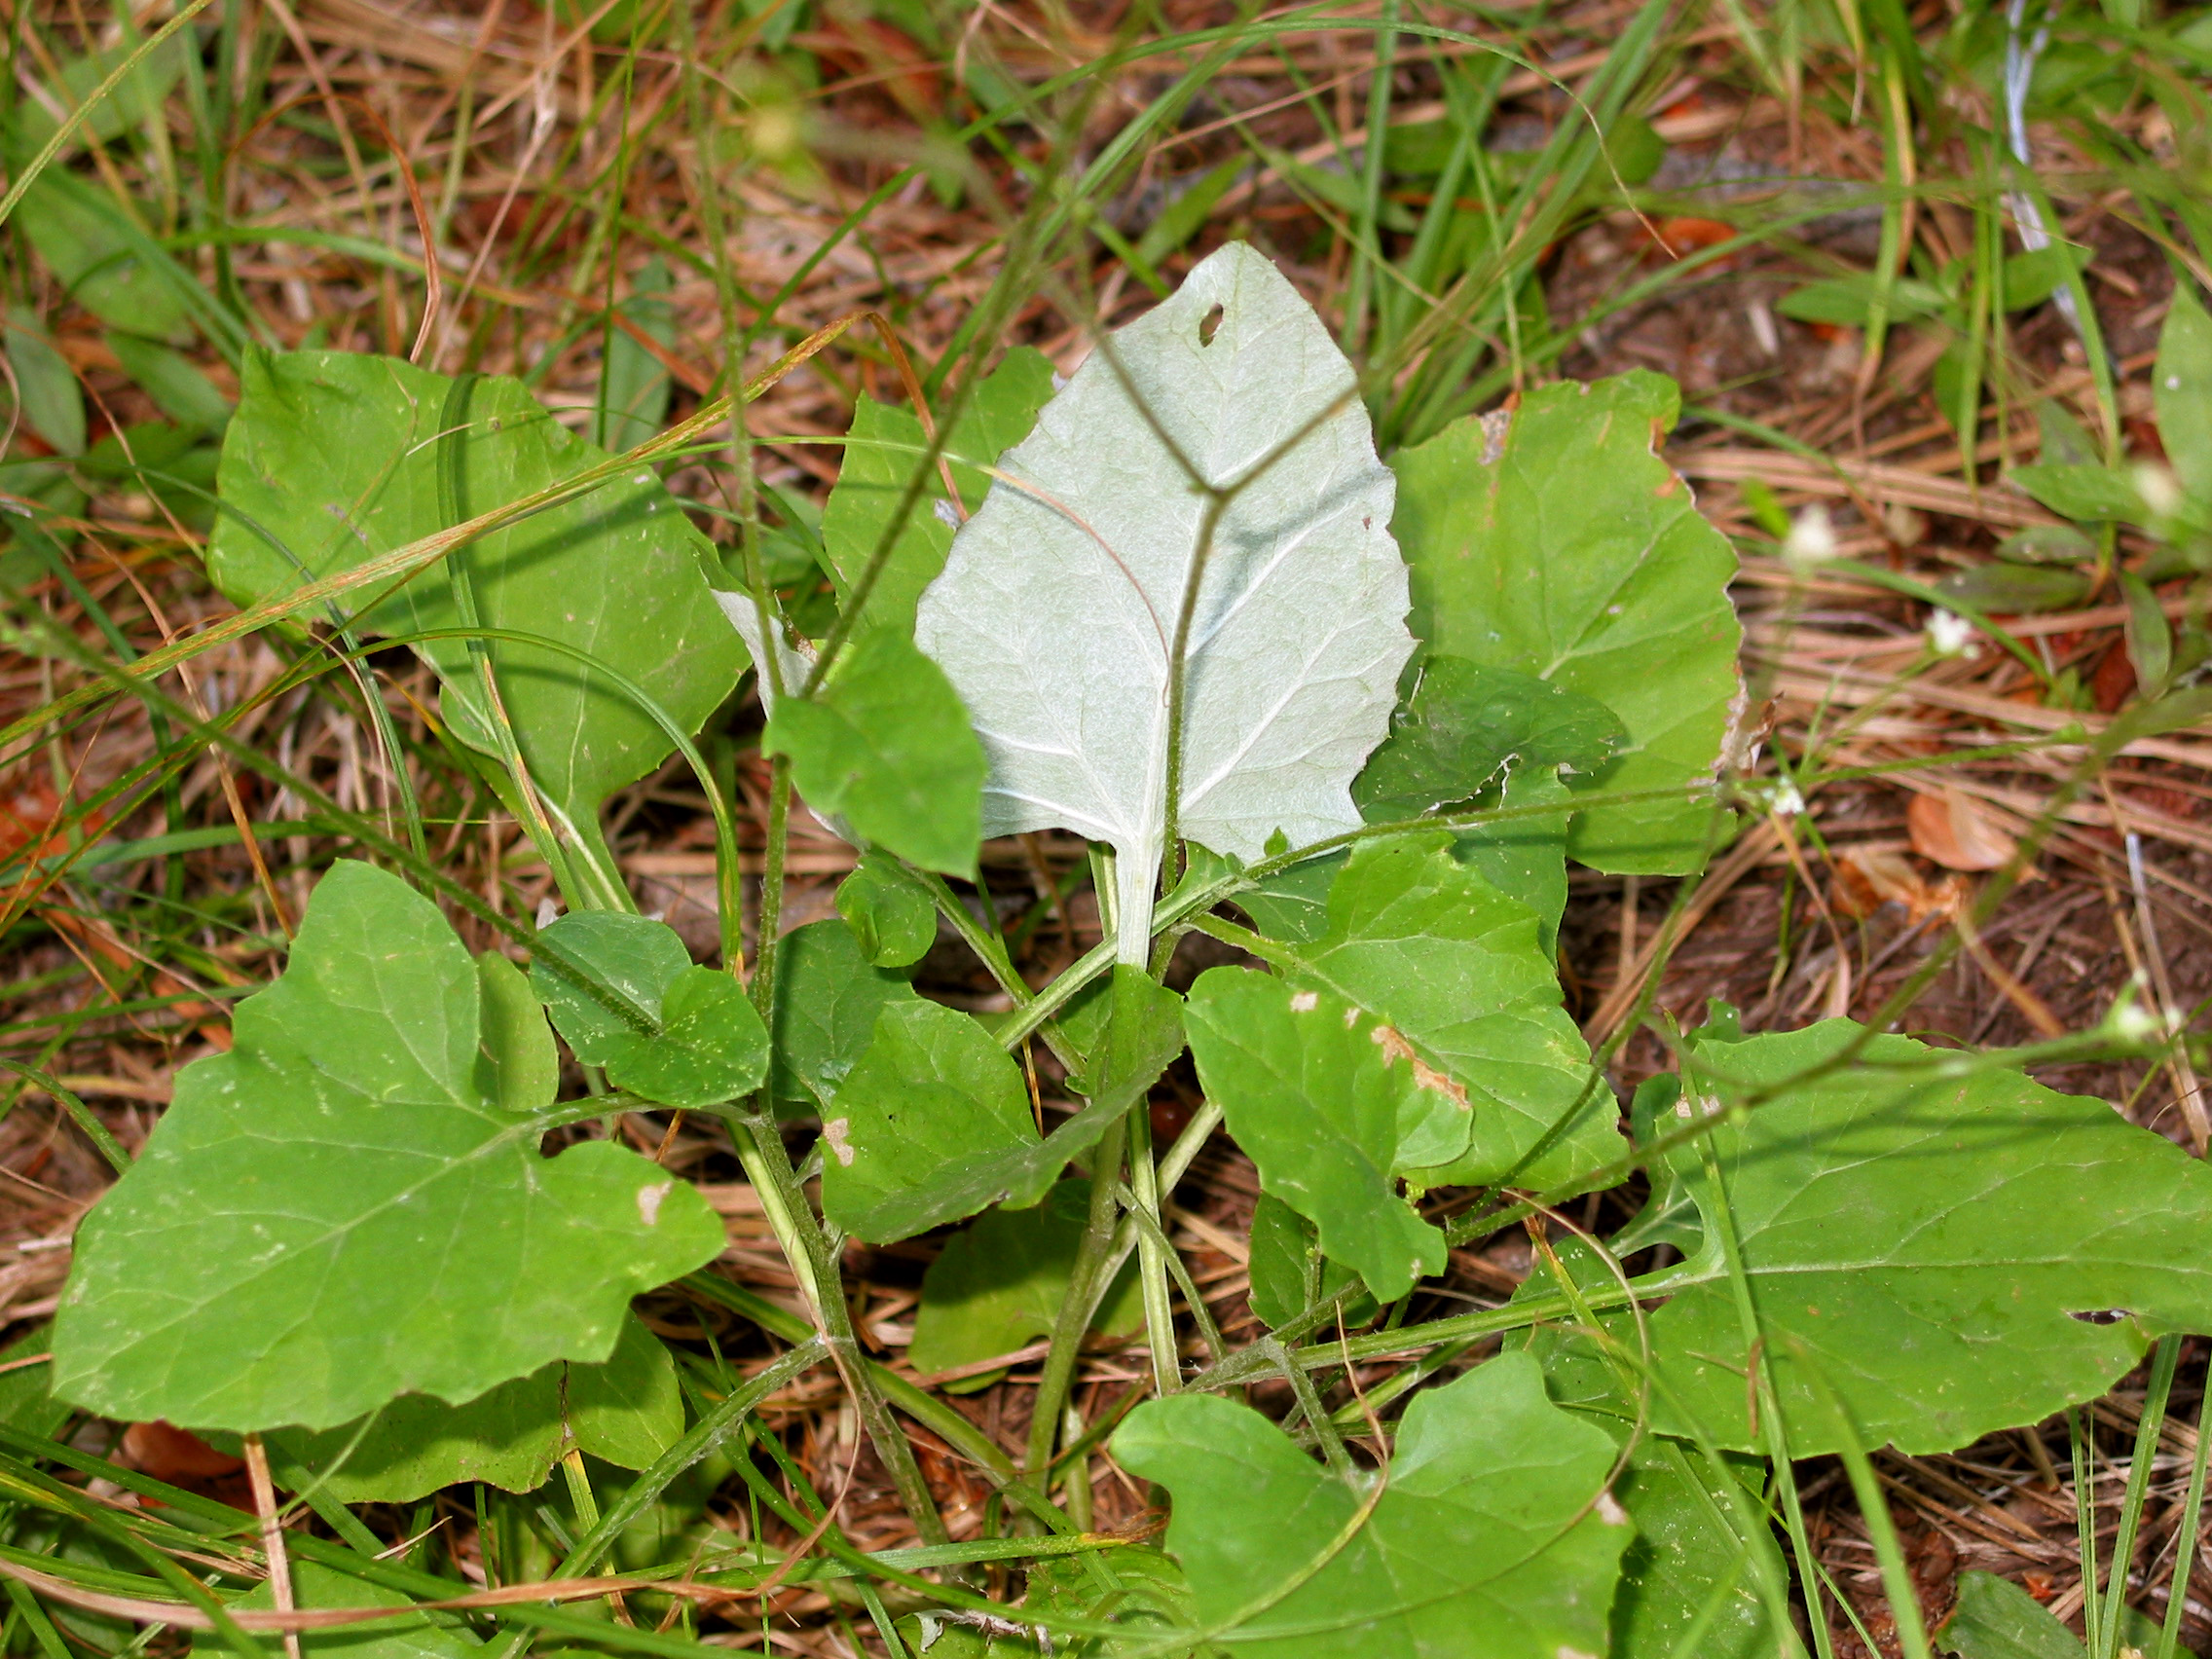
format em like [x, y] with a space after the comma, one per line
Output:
[1055, 612]
[792, 666]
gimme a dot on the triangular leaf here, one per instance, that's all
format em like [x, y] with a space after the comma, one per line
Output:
[827, 997]
[884, 452]
[1428, 946]
[953, 1160]
[932, 1091]
[999, 1281]
[1945, 1245]
[335, 1213]
[886, 745]
[626, 1411]
[1493, 1539]
[1075, 573]
[1556, 543]
[333, 456]
[1324, 1098]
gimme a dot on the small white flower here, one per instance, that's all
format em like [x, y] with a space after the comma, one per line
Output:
[2160, 489]
[1811, 541]
[2132, 1022]
[1785, 803]
[1950, 635]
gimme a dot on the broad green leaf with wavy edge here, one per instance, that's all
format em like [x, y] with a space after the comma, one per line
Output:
[933, 1146]
[890, 913]
[933, 1090]
[998, 1283]
[1056, 611]
[425, 1635]
[336, 1211]
[1555, 541]
[1995, 1618]
[1327, 1101]
[601, 975]
[884, 452]
[627, 1412]
[1495, 1537]
[1923, 1232]
[333, 458]
[827, 997]
[1288, 1271]
[1427, 944]
[624, 991]
[1698, 1552]
[885, 747]
[1466, 724]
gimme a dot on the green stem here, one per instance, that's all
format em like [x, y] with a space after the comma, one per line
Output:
[803, 1241]
[1151, 1256]
[1086, 1284]
[2103, 1638]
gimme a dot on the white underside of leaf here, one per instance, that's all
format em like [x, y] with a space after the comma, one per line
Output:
[1055, 612]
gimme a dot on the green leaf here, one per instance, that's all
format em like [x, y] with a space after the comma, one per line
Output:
[602, 976]
[1996, 1619]
[335, 1213]
[1074, 569]
[932, 1090]
[2048, 544]
[2085, 492]
[2009, 589]
[46, 386]
[983, 1148]
[333, 458]
[892, 914]
[634, 385]
[1567, 549]
[886, 745]
[137, 98]
[1149, 1594]
[1491, 1541]
[2182, 387]
[2150, 636]
[27, 1402]
[827, 997]
[883, 452]
[681, 1035]
[517, 1065]
[710, 1050]
[626, 1412]
[1428, 946]
[106, 261]
[1288, 1270]
[424, 1635]
[175, 384]
[1934, 1237]
[999, 1282]
[2032, 277]
[1311, 1087]
[1695, 1564]
[1849, 302]
[1466, 724]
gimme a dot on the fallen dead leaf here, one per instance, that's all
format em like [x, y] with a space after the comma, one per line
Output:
[1867, 877]
[1957, 832]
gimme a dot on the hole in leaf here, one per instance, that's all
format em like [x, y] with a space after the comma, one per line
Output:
[2099, 1316]
[1208, 325]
